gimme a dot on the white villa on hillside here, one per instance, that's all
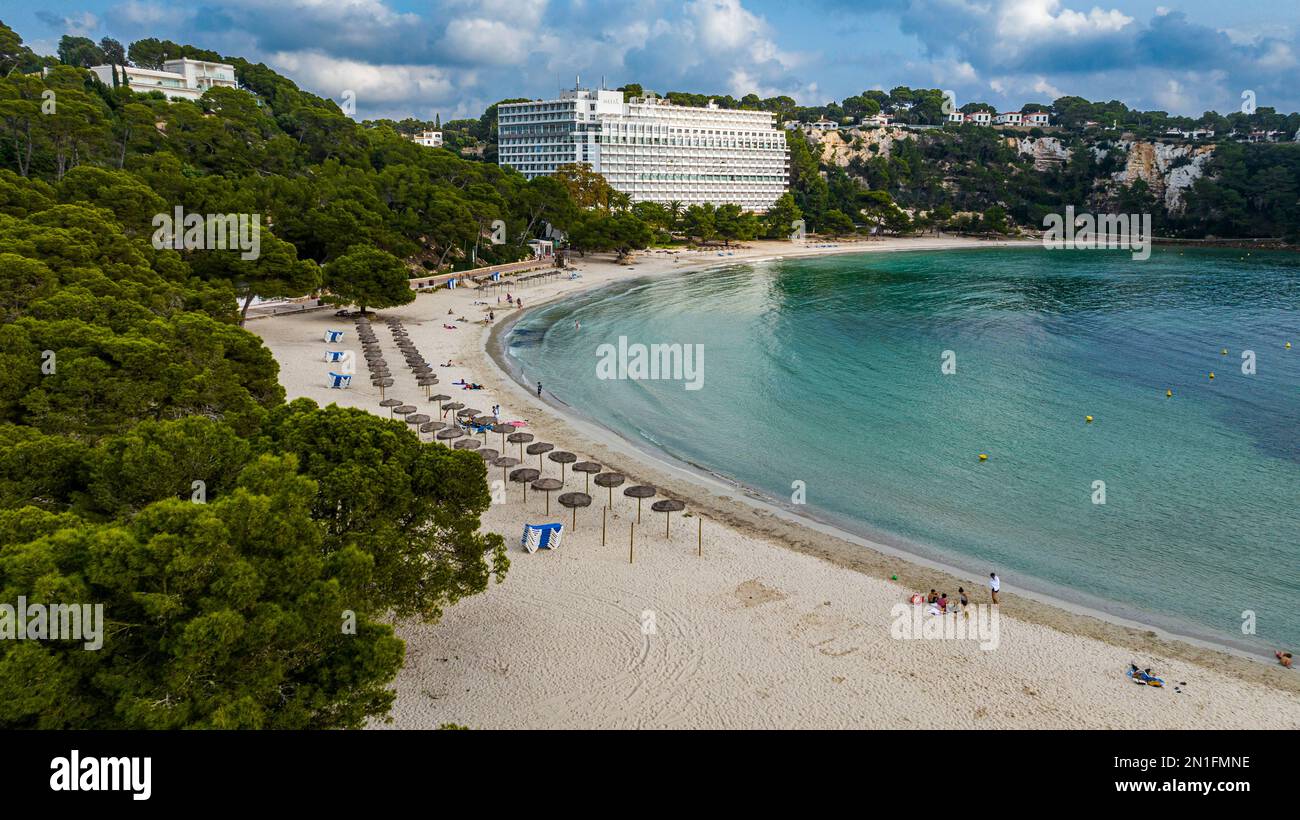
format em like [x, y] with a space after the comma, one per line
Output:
[429, 139]
[649, 148]
[1009, 118]
[182, 79]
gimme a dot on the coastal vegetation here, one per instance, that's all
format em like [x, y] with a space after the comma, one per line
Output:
[249, 554]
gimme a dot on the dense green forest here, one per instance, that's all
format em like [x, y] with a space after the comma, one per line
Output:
[131, 392]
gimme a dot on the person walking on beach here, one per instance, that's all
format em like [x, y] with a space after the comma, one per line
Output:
[995, 584]
[965, 602]
[539, 390]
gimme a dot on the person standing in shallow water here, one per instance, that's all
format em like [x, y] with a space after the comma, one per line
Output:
[539, 390]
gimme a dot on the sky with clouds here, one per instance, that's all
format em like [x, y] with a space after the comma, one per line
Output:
[454, 57]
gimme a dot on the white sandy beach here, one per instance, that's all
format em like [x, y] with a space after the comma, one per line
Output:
[776, 625]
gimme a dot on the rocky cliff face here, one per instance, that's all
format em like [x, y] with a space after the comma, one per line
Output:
[1169, 169]
[1046, 152]
[840, 147]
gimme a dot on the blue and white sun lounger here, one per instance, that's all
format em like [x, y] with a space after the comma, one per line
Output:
[541, 537]
[333, 335]
[334, 355]
[340, 381]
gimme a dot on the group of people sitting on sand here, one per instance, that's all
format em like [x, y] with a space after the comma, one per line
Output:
[940, 604]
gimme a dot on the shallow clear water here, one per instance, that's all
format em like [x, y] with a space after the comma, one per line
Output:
[1202, 515]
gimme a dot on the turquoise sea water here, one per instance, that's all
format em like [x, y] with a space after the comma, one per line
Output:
[828, 371]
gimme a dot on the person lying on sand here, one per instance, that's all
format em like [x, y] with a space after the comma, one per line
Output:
[448, 327]
[1283, 658]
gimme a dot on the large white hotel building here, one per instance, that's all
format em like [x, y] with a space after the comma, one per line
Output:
[650, 149]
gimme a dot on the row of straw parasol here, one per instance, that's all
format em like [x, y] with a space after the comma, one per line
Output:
[455, 434]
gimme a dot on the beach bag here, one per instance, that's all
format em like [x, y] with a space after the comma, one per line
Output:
[541, 537]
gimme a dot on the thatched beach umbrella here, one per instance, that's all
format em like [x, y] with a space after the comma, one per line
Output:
[588, 467]
[521, 439]
[548, 486]
[449, 433]
[489, 455]
[667, 506]
[504, 462]
[610, 480]
[523, 476]
[439, 398]
[376, 356]
[537, 448]
[468, 444]
[561, 457]
[504, 430]
[427, 382]
[573, 501]
[640, 491]
[451, 405]
[381, 384]
[416, 419]
[431, 426]
[469, 411]
[390, 404]
[404, 409]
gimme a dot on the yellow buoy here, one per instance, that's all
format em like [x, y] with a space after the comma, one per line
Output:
[984, 456]
[1211, 374]
[1088, 419]
[1224, 351]
[1169, 394]
[1288, 345]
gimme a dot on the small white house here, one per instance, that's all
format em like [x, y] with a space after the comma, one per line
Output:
[957, 118]
[824, 125]
[1038, 118]
[429, 139]
[979, 118]
[1010, 118]
[878, 120]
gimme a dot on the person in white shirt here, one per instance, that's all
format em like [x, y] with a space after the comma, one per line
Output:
[995, 584]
